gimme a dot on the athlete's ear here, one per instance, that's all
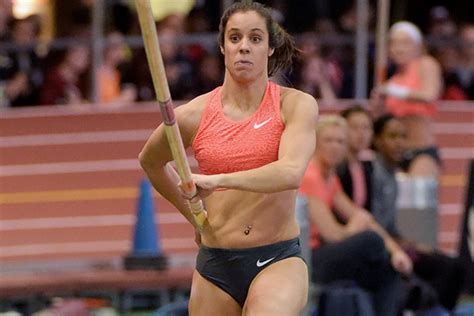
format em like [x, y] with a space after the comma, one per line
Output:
[222, 50]
[271, 51]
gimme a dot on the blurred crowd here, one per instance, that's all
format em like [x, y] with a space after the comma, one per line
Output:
[31, 73]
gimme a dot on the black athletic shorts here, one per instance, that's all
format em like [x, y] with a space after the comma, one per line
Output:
[233, 270]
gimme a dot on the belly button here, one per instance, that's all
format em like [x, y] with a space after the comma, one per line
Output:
[247, 231]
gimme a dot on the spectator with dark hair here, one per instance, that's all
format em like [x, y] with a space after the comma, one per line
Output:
[208, 73]
[444, 274]
[61, 85]
[465, 70]
[346, 242]
[177, 67]
[21, 69]
[441, 23]
[355, 172]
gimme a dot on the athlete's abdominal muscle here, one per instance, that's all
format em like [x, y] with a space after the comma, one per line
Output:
[245, 219]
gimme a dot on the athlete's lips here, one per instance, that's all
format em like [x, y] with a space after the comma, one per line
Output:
[243, 62]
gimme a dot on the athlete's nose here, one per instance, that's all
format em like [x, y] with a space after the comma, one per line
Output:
[244, 46]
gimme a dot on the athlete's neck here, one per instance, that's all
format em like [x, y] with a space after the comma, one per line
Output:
[246, 96]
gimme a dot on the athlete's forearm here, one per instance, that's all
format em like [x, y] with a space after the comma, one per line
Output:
[165, 184]
[274, 177]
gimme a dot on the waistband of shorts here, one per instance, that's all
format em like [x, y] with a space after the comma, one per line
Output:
[267, 247]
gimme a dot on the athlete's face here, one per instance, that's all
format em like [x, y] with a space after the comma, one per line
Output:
[246, 49]
[359, 131]
[332, 145]
[391, 142]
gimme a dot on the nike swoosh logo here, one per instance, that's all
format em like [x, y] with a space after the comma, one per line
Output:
[256, 126]
[262, 263]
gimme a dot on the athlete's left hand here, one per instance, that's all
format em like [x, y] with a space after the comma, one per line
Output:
[206, 184]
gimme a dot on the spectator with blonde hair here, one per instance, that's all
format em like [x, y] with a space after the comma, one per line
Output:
[346, 242]
[411, 94]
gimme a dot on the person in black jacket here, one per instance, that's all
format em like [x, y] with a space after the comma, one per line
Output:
[355, 171]
[437, 277]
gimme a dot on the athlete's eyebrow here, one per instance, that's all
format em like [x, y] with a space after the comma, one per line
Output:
[255, 29]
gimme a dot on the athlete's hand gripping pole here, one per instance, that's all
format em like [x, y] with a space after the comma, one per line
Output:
[160, 83]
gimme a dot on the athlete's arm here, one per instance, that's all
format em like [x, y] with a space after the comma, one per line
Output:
[297, 143]
[156, 154]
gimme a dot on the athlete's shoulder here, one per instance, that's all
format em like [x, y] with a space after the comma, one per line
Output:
[196, 103]
[296, 103]
[292, 95]
[189, 114]
[293, 98]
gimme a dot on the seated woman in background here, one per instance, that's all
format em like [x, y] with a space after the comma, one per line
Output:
[358, 249]
[411, 94]
[443, 273]
[378, 185]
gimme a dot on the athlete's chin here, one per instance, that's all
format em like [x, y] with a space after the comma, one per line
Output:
[246, 76]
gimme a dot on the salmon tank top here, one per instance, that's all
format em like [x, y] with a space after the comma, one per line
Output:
[224, 146]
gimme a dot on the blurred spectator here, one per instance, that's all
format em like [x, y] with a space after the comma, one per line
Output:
[346, 242]
[61, 85]
[411, 94]
[209, 74]
[355, 172]
[314, 79]
[348, 20]
[111, 89]
[448, 57]
[377, 180]
[464, 72]
[178, 69]
[313, 74]
[175, 22]
[6, 15]
[325, 27]
[196, 23]
[441, 23]
[440, 272]
[20, 69]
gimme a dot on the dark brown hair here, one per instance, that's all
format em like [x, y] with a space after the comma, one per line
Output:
[356, 108]
[278, 39]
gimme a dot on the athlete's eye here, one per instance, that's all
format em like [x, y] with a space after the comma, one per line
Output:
[256, 39]
[234, 38]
